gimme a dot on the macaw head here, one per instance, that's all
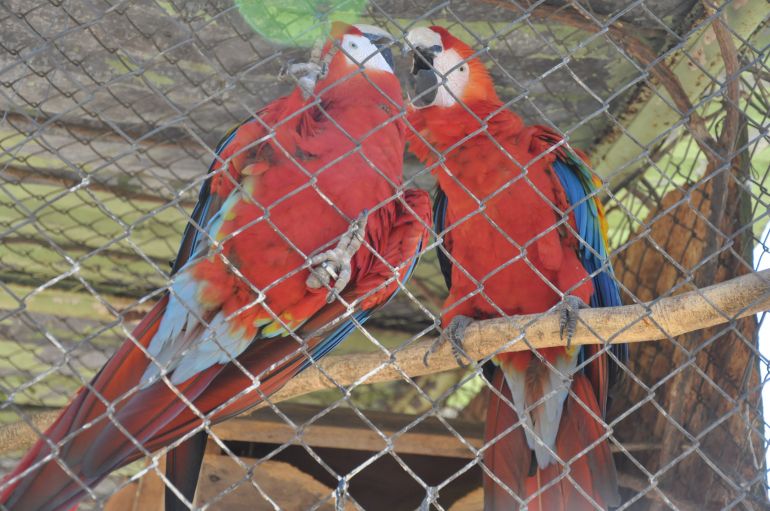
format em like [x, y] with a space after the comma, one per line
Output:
[445, 71]
[358, 47]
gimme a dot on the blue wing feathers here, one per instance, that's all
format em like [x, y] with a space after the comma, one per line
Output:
[593, 253]
[336, 337]
[201, 211]
[576, 179]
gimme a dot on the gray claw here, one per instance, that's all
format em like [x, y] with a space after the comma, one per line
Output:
[568, 316]
[454, 333]
[284, 71]
[335, 264]
[306, 74]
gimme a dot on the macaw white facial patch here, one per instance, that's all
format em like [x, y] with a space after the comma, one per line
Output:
[453, 76]
[361, 52]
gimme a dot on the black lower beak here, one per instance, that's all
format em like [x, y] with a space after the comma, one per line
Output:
[424, 83]
[423, 79]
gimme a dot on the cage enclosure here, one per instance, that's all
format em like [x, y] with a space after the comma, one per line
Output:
[113, 111]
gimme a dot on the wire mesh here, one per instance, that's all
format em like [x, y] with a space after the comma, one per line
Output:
[112, 111]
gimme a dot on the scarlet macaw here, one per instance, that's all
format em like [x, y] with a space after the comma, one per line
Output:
[244, 314]
[523, 231]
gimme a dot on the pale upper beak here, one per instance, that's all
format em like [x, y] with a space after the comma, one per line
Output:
[423, 79]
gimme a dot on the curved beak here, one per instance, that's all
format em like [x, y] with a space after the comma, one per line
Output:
[423, 79]
[382, 39]
[383, 44]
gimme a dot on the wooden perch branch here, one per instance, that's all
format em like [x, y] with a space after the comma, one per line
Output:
[660, 319]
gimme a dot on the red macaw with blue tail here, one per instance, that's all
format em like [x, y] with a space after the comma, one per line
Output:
[244, 313]
[523, 232]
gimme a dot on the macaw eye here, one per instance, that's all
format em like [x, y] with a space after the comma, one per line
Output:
[354, 46]
[462, 69]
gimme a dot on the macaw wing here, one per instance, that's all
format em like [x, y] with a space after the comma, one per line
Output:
[193, 335]
[235, 151]
[273, 363]
[125, 368]
[118, 381]
[395, 243]
[580, 185]
[208, 204]
[184, 461]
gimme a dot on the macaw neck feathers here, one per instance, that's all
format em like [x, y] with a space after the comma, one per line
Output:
[445, 129]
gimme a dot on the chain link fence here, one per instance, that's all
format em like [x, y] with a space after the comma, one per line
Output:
[111, 115]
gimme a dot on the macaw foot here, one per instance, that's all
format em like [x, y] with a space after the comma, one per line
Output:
[454, 334]
[568, 315]
[335, 264]
[306, 74]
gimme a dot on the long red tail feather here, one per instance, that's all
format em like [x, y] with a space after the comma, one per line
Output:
[585, 481]
[92, 445]
[46, 485]
[508, 457]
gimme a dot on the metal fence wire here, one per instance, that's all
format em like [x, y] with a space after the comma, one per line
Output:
[111, 115]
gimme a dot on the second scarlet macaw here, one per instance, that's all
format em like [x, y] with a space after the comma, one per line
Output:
[243, 313]
[522, 232]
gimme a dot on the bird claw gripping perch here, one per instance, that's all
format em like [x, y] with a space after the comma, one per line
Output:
[335, 264]
[568, 315]
[454, 333]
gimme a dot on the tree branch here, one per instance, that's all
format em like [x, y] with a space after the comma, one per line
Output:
[625, 36]
[660, 319]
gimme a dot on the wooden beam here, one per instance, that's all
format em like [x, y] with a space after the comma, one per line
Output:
[145, 494]
[15, 174]
[342, 428]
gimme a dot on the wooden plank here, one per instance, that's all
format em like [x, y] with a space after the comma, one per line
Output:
[342, 428]
[146, 494]
[150, 495]
[124, 499]
[287, 486]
